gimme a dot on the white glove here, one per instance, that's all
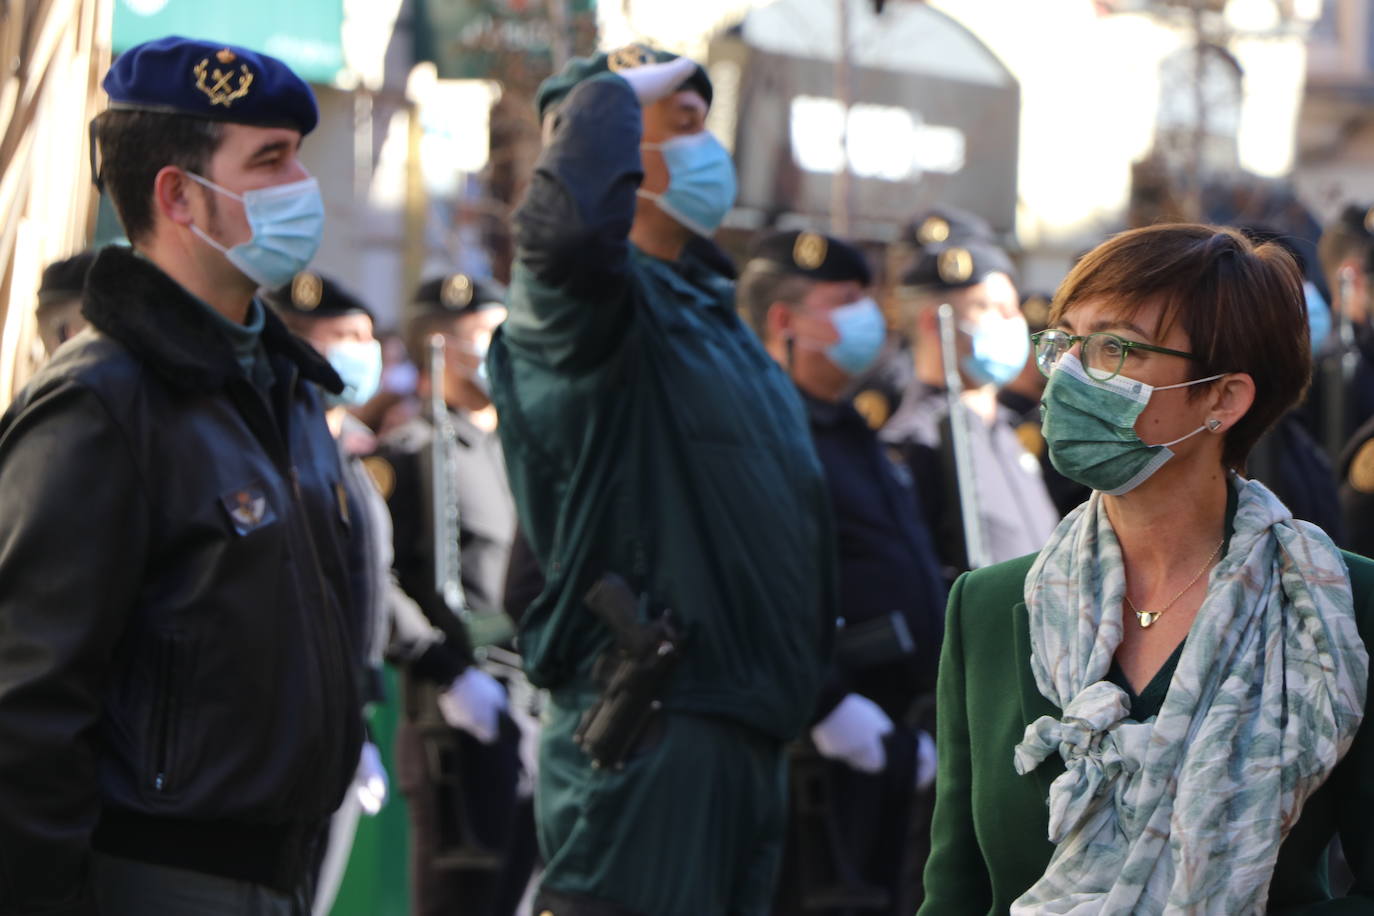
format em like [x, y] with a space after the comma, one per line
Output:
[474, 703]
[925, 761]
[370, 782]
[652, 82]
[853, 733]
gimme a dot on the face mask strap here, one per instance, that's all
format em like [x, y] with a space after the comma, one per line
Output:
[214, 187]
[1200, 381]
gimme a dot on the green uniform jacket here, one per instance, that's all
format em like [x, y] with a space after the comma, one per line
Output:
[989, 837]
[648, 433]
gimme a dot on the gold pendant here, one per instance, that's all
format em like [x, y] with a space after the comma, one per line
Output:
[1146, 617]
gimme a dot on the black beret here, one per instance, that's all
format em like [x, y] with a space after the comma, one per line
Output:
[553, 89]
[944, 224]
[1035, 307]
[1358, 220]
[955, 266]
[814, 256]
[456, 294]
[64, 280]
[311, 295]
[210, 80]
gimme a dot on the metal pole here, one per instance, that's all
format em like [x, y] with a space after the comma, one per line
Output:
[840, 186]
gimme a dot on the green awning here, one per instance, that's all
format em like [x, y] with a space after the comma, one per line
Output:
[303, 33]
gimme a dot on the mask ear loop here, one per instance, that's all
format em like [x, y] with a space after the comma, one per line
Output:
[96, 178]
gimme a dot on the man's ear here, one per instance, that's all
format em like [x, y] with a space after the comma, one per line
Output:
[777, 322]
[171, 195]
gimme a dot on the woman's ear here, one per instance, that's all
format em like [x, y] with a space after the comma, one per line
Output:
[1232, 398]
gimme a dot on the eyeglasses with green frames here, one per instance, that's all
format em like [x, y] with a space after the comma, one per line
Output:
[1103, 353]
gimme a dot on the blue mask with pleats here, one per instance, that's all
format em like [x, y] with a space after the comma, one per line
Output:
[862, 331]
[701, 181]
[287, 222]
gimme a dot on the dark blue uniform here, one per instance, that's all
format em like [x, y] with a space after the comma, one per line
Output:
[887, 564]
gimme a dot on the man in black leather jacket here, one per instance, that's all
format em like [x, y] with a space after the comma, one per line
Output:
[178, 704]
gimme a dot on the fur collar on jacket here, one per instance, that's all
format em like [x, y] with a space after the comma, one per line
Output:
[128, 298]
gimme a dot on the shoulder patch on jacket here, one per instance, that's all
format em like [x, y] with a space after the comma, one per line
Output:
[382, 473]
[248, 508]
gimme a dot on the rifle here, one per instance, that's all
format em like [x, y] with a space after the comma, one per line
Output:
[974, 544]
[459, 843]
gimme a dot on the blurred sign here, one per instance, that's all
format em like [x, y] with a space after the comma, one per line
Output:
[303, 33]
[476, 39]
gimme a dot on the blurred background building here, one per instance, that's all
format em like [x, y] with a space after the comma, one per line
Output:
[1060, 121]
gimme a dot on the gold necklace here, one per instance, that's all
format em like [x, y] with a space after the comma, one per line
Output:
[1147, 618]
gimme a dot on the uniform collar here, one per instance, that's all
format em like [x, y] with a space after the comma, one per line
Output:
[130, 299]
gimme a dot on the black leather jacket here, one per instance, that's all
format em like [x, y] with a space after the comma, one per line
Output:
[176, 676]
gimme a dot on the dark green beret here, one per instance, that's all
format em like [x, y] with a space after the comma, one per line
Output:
[211, 80]
[312, 295]
[64, 280]
[553, 89]
[814, 256]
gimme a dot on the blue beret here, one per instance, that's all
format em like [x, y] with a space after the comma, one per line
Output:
[209, 80]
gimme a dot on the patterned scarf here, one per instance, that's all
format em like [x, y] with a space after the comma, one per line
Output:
[1185, 812]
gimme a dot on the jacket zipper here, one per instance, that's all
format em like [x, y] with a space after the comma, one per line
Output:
[274, 442]
[167, 706]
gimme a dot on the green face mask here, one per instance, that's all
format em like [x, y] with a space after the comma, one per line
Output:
[1089, 427]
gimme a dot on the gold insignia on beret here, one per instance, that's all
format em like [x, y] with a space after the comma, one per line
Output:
[955, 265]
[1032, 439]
[1362, 468]
[219, 85]
[307, 290]
[225, 56]
[933, 229]
[872, 405]
[382, 473]
[456, 291]
[629, 57]
[1037, 311]
[809, 251]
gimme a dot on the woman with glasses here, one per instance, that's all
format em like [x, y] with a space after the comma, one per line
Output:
[1160, 712]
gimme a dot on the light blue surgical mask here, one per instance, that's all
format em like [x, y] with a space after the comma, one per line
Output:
[1000, 349]
[1318, 316]
[862, 331]
[359, 364]
[701, 181]
[1089, 428]
[287, 221]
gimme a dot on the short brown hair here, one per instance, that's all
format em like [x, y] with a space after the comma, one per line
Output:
[1242, 306]
[135, 145]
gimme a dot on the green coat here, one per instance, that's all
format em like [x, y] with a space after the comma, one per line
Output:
[648, 433]
[989, 836]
